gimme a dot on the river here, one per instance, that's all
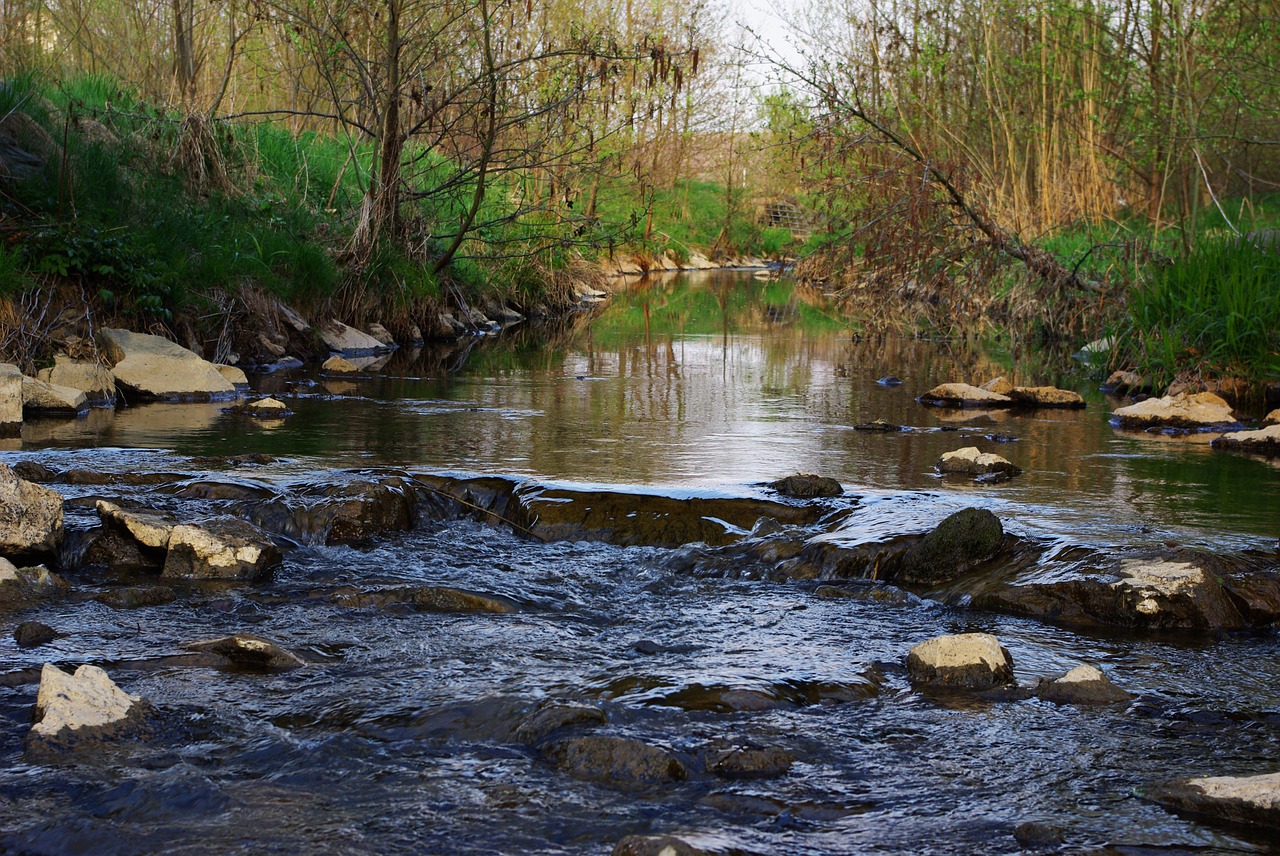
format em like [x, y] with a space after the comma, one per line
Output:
[400, 734]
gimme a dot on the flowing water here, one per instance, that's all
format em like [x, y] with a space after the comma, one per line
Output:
[399, 736]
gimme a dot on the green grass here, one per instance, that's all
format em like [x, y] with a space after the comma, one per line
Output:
[1213, 313]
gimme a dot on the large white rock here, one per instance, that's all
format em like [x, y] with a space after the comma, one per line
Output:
[30, 516]
[93, 379]
[1234, 799]
[149, 530]
[233, 375]
[974, 462]
[964, 395]
[10, 398]
[220, 548]
[1197, 411]
[348, 340]
[1264, 441]
[84, 706]
[42, 397]
[967, 661]
[1045, 396]
[1272, 418]
[154, 367]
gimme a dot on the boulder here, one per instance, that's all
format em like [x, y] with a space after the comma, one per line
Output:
[656, 845]
[1232, 799]
[39, 397]
[72, 710]
[30, 517]
[267, 408]
[974, 661]
[234, 376]
[1045, 396]
[1264, 441]
[149, 529]
[91, 378]
[807, 486]
[339, 365]
[1272, 418]
[964, 395]
[382, 334]
[24, 587]
[999, 385]
[1084, 684]
[220, 548]
[956, 546]
[972, 461]
[249, 652]
[31, 634]
[154, 367]
[557, 715]
[348, 340]
[617, 761]
[11, 388]
[1174, 590]
[1195, 412]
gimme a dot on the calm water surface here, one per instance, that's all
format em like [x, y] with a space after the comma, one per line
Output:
[398, 737]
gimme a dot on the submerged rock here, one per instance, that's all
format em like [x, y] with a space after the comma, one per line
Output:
[618, 761]
[1038, 834]
[889, 380]
[136, 597]
[154, 367]
[964, 395]
[24, 587]
[956, 546]
[428, 599]
[350, 513]
[656, 845]
[807, 486]
[972, 461]
[880, 426]
[1186, 411]
[32, 634]
[749, 762]
[30, 517]
[1264, 441]
[1234, 799]
[974, 661]
[555, 716]
[246, 651]
[73, 710]
[1084, 684]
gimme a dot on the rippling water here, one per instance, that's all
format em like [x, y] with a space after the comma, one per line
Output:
[398, 737]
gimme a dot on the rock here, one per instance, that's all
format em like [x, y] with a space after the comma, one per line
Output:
[1195, 412]
[275, 349]
[10, 399]
[267, 408]
[382, 334]
[30, 634]
[1095, 351]
[339, 365]
[72, 710]
[972, 461]
[956, 546]
[30, 517]
[1082, 685]
[889, 380]
[349, 513]
[1264, 441]
[879, 426]
[39, 397]
[136, 597]
[1272, 418]
[1180, 589]
[964, 395]
[555, 716]
[1037, 834]
[33, 471]
[655, 845]
[749, 762]
[249, 652]
[1234, 799]
[220, 548]
[415, 335]
[617, 761]
[154, 367]
[235, 376]
[1121, 382]
[1045, 396]
[973, 661]
[807, 486]
[999, 385]
[428, 599]
[23, 587]
[348, 341]
[148, 529]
